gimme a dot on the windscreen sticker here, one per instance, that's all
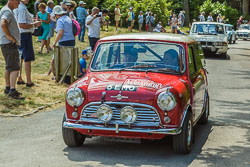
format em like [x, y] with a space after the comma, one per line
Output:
[143, 83]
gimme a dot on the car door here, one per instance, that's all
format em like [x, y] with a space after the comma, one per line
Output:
[197, 78]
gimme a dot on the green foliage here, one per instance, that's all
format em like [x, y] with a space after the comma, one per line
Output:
[224, 9]
[158, 7]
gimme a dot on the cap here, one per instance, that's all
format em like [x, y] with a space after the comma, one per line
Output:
[82, 3]
[58, 10]
[84, 52]
[130, 8]
[64, 2]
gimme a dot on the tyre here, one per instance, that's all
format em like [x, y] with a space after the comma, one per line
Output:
[224, 55]
[182, 142]
[71, 137]
[204, 118]
[230, 40]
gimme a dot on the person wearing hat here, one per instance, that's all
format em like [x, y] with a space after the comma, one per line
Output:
[65, 4]
[64, 29]
[130, 19]
[82, 61]
[81, 15]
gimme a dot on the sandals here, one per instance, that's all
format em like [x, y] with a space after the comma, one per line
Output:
[30, 85]
[20, 83]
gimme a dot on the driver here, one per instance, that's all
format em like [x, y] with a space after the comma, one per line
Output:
[130, 57]
[171, 59]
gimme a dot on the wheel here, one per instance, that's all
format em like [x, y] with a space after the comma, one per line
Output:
[204, 118]
[71, 137]
[224, 55]
[182, 142]
[230, 40]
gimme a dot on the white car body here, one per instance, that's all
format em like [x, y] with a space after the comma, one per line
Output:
[243, 32]
[211, 35]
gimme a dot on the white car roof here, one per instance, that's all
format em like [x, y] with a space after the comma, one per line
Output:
[208, 22]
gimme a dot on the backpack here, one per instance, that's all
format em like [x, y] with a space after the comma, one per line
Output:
[76, 27]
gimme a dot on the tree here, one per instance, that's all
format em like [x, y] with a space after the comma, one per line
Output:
[186, 8]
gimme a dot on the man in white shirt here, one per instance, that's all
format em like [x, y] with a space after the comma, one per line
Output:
[93, 22]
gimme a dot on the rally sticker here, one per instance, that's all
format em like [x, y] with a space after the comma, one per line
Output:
[143, 83]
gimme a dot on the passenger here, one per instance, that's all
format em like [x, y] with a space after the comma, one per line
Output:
[171, 59]
[130, 57]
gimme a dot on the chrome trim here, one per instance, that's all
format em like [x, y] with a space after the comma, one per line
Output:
[172, 131]
[123, 103]
[184, 115]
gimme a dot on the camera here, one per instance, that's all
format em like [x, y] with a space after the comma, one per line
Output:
[98, 15]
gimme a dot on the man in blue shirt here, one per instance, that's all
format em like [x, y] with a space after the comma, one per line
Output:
[81, 15]
[83, 64]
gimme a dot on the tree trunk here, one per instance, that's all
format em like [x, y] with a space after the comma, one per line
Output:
[245, 7]
[186, 8]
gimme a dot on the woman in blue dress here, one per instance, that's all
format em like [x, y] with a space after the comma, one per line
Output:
[44, 17]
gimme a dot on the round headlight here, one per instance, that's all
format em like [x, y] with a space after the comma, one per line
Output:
[104, 113]
[128, 115]
[74, 97]
[166, 101]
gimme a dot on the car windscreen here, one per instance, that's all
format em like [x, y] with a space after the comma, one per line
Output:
[245, 26]
[139, 56]
[229, 28]
[208, 29]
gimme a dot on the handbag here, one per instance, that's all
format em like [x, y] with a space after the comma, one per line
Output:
[38, 31]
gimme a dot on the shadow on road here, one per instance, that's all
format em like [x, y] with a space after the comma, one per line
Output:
[159, 153]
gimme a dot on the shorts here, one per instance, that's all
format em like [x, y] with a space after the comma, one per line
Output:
[11, 56]
[173, 28]
[129, 23]
[27, 47]
[51, 33]
[140, 25]
[67, 43]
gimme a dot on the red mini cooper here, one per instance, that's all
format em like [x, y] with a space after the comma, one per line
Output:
[139, 86]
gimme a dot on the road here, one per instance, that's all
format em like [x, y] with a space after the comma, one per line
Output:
[225, 141]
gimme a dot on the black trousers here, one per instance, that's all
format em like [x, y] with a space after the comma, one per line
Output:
[92, 42]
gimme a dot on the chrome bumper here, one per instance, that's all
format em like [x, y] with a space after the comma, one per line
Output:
[172, 131]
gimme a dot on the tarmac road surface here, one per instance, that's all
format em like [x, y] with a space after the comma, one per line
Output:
[225, 141]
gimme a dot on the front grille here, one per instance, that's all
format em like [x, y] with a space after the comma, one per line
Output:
[146, 115]
[206, 43]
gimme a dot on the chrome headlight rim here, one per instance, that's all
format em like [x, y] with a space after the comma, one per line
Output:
[109, 117]
[70, 101]
[172, 98]
[123, 111]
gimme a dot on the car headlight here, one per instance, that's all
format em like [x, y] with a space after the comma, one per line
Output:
[128, 115]
[104, 113]
[74, 97]
[166, 101]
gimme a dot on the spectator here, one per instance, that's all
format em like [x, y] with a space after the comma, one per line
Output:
[219, 18]
[146, 14]
[93, 22]
[9, 41]
[83, 64]
[174, 24]
[52, 25]
[140, 20]
[223, 19]
[150, 21]
[210, 17]
[26, 27]
[117, 12]
[181, 18]
[36, 10]
[44, 17]
[64, 30]
[240, 21]
[130, 19]
[179, 30]
[65, 4]
[202, 17]
[81, 14]
[133, 16]
[105, 18]
[170, 18]
[71, 9]
[159, 28]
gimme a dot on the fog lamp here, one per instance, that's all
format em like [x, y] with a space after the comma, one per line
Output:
[128, 115]
[104, 113]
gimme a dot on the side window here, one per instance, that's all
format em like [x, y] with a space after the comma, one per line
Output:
[197, 57]
[191, 60]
